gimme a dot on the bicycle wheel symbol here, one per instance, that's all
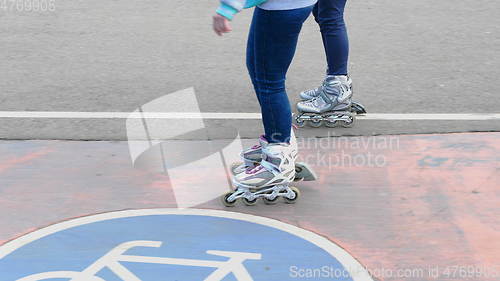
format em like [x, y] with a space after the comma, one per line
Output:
[233, 265]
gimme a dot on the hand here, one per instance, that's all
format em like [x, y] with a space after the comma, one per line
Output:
[221, 25]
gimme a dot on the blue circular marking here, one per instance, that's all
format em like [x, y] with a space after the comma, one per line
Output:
[186, 237]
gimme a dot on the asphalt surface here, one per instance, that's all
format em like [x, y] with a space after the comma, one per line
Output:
[115, 56]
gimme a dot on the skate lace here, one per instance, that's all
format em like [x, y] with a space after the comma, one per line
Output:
[314, 92]
[313, 101]
[341, 88]
[254, 170]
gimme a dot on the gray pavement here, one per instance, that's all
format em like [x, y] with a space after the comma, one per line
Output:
[106, 129]
[407, 57]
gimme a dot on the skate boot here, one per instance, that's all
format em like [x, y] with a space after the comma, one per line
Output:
[332, 106]
[252, 156]
[310, 94]
[268, 180]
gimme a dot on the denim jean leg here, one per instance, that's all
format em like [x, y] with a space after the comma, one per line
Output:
[330, 17]
[275, 36]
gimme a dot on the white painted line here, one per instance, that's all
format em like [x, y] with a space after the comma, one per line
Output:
[357, 271]
[236, 115]
[127, 115]
[431, 116]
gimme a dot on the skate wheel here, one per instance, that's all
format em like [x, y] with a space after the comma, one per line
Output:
[249, 202]
[296, 191]
[298, 170]
[347, 124]
[331, 124]
[226, 202]
[358, 108]
[268, 201]
[300, 123]
[315, 124]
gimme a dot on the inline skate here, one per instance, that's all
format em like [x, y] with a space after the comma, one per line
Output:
[356, 107]
[269, 180]
[252, 156]
[332, 106]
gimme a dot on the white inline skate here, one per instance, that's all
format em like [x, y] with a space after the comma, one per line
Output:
[356, 107]
[269, 180]
[252, 157]
[332, 106]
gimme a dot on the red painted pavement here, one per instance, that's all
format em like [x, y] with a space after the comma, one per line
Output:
[425, 202]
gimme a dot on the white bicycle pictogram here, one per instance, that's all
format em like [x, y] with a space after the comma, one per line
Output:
[234, 265]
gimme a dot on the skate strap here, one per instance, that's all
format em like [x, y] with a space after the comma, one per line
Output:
[242, 154]
[269, 166]
[254, 170]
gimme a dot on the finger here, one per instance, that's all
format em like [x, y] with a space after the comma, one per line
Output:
[216, 26]
[227, 26]
[217, 32]
[218, 29]
[222, 27]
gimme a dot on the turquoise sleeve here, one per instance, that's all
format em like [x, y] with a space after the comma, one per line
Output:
[226, 11]
[253, 3]
[229, 11]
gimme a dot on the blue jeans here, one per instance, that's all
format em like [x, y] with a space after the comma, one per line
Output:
[271, 46]
[329, 14]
